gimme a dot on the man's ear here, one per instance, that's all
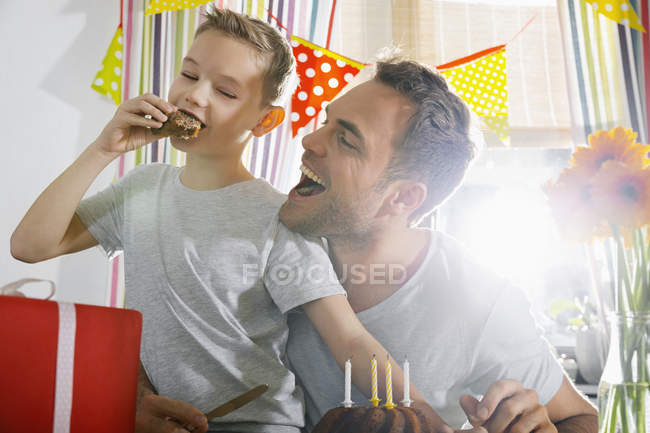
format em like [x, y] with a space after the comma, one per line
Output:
[404, 197]
[273, 118]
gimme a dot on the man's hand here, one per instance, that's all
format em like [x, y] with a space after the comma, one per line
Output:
[508, 407]
[159, 414]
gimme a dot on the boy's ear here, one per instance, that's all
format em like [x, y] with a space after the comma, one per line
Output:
[273, 118]
[403, 198]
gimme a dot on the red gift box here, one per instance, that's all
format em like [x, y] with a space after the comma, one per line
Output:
[67, 368]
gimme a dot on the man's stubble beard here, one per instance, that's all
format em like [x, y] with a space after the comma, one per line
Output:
[337, 221]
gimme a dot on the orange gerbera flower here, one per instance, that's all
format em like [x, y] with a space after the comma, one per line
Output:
[618, 144]
[621, 194]
[571, 201]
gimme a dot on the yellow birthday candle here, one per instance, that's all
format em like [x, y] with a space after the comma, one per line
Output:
[373, 381]
[389, 385]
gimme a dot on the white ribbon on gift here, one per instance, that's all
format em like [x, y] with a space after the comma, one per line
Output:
[64, 368]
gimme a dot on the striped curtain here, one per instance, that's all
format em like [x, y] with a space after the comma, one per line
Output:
[608, 69]
[154, 48]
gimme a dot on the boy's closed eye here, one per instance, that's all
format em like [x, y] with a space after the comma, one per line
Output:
[227, 94]
[224, 92]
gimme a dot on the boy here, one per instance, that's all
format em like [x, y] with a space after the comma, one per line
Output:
[210, 332]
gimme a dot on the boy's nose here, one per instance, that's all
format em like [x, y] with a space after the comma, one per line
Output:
[198, 94]
[314, 142]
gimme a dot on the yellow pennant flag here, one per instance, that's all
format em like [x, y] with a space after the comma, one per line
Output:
[158, 6]
[108, 80]
[480, 79]
[620, 11]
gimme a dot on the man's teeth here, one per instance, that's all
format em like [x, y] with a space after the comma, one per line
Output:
[310, 174]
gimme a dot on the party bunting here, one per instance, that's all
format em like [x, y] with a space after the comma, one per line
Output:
[323, 74]
[158, 6]
[620, 11]
[481, 81]
[108, 80]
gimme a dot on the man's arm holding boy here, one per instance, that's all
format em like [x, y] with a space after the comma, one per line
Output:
[50, 228]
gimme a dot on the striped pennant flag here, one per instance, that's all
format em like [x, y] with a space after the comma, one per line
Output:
[480, 79]
[620, 11]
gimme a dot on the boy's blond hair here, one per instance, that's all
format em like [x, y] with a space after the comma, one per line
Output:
[280, 77]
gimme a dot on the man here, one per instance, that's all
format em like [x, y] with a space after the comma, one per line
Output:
[391, 150]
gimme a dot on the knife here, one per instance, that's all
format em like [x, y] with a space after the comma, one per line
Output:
[237, 402]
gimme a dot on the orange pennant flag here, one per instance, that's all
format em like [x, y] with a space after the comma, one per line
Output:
[480, 80]
[323, 74]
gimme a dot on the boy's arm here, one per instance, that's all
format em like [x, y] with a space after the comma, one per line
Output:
[50, 227]
[346, 338]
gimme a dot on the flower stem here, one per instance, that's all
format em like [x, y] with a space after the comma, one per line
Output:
[612, 408]
[623, 266]
[615, 281]
[598, 289]
[623, 406]
[641, 269]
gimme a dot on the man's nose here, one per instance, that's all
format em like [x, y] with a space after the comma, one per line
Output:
[314, 142]
[199, 93]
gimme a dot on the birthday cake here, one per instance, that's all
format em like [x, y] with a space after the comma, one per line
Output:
[372, 419]
[388, 418]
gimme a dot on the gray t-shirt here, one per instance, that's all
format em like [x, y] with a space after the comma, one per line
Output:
[213, 273]
[460, 326]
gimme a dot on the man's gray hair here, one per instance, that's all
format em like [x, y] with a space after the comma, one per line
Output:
[437, 148]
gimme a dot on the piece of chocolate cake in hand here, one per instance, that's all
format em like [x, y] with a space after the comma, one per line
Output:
[180, 124]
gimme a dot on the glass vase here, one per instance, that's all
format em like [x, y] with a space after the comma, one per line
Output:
[624, 391]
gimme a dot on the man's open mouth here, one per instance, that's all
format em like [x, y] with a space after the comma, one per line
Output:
[310, 184]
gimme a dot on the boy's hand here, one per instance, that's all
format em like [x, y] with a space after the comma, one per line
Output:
[158, 414]
[129, 129]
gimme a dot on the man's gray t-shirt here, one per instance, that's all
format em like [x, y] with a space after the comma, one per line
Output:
[213, 273]
[460, 326]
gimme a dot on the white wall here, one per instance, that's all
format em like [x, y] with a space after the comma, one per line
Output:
[50, 52]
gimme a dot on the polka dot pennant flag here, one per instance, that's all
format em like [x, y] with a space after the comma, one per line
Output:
[481, 81]
[108, 80]
[620, 11]
[323, 74]
[158, 6]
